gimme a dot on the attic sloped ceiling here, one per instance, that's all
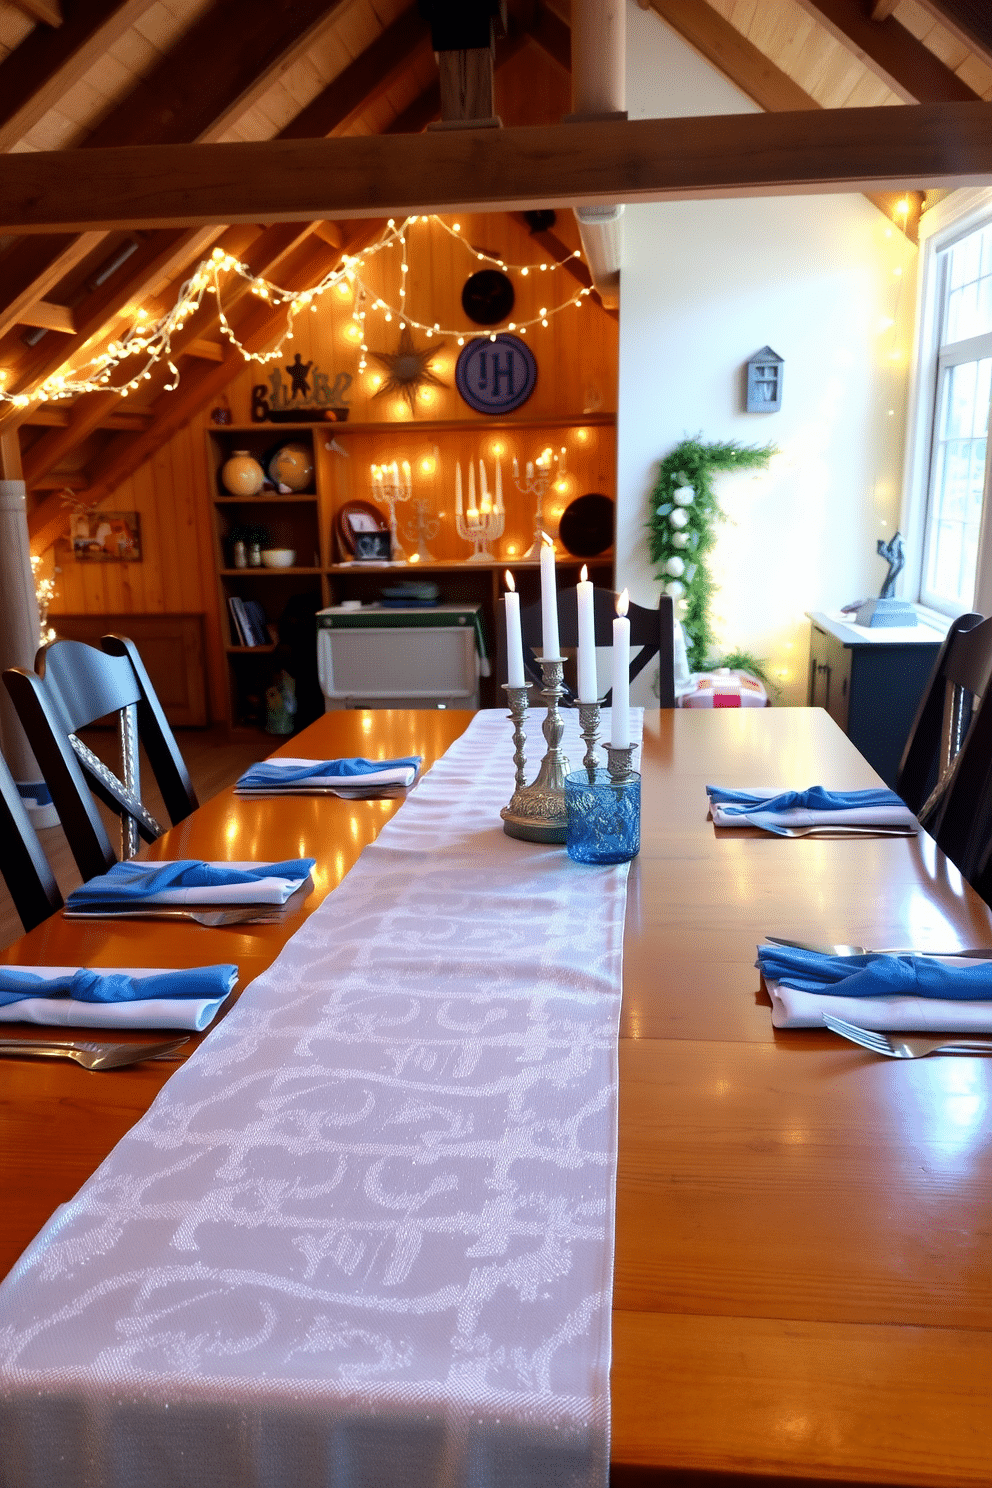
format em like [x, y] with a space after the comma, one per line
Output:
[95, 74]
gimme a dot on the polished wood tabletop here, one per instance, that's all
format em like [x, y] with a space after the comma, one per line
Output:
[803, 1284]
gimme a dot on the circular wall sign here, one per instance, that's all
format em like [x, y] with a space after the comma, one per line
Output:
[487, 297]
[496, 375]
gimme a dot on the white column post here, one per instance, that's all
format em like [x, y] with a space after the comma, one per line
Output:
[19, 628]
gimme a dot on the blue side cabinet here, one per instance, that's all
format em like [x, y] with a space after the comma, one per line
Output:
[871, 683]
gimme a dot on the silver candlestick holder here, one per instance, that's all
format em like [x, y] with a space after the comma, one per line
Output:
[536, 812]
[589, 728]
[517, 697]
[618, 762]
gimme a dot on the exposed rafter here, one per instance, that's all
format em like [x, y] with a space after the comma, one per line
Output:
[47, 11]
[835, 150]
[969, 20]
[48, 63]
[268, 250]
[771, 88]
[192, 94]
[364, 81]
[311, 261]
[904, 64]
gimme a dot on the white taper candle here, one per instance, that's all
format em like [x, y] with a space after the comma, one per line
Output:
[585, 598]
[550, 644]
[514, 644]
[620, 730]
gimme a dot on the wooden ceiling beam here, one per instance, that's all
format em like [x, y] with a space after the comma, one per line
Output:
[192, 94]
[772, 89]
[364, 81]
[565, 258]
[204, 350]
[574, 164]
[46, 416]
[50, 317]
[215, 71]
[24, 281]
[969, 20]
[891, 52]
[49, 12]
[39, 72]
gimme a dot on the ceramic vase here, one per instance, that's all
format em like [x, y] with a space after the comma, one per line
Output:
[242, 475]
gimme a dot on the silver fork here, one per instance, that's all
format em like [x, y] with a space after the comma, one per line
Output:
[901, 1047]
[210, 917]
[91, 1056]
[822, 829]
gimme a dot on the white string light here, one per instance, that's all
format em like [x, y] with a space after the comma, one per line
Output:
[151, 341]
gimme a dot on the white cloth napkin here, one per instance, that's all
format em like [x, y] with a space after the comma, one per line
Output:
[257, 891]
[863, 816]
[371, 783]
[794, 1009]
[66, 1012]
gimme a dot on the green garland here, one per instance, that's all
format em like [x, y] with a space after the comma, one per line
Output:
[680, 528]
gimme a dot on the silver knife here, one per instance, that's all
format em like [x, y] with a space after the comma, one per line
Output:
[976, 953]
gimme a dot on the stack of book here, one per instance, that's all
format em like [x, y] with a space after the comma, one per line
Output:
[248, 622]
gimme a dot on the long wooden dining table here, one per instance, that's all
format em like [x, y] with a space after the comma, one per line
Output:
[803, 1275]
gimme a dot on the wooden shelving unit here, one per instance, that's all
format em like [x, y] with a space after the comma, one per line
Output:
[342, 456]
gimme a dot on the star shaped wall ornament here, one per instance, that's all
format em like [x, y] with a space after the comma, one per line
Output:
[407, 369]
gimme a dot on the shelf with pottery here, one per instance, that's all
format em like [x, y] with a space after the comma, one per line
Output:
[269, 547]
[336, 472]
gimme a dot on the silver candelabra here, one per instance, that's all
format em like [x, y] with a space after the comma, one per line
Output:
[422, 530]
[537, 478]
[482, 524]
[393, 486]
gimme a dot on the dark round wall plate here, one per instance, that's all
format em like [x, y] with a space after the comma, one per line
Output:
[487, 297]
[586, 527]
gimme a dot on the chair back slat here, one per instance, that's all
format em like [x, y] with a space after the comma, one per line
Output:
[23, 865]
[76, 684]
[960, 673]
[86, 684]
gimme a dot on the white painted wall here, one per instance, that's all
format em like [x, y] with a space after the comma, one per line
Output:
[705, 285]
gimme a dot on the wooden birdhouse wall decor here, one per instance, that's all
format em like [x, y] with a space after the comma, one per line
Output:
[764, 382]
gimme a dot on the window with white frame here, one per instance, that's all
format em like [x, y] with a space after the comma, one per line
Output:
[952, 413]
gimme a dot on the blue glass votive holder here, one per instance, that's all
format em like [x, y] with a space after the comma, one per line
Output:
[604, 816]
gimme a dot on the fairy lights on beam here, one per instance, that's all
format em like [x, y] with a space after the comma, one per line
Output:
[131, 359]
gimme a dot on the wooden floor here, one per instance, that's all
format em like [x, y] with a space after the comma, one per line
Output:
[214, 762]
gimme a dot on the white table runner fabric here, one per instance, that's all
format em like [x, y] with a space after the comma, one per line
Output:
[364, 1237]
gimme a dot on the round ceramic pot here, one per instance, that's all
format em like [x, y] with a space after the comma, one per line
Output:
[242, 475]
[292, 466]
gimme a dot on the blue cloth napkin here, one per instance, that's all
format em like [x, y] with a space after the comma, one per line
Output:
[774, 811]
[266, 774]
[88, 985]
[876, 976]
[143, 881]
[742, 803]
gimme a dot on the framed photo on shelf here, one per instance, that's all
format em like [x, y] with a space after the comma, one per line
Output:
[106, 537]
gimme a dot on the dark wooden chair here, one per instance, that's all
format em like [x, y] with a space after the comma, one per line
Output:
[960, 678]
[23, 864]
[651, 635]
[75, 685]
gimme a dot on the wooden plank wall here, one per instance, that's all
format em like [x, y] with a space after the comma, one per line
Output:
[577, 360]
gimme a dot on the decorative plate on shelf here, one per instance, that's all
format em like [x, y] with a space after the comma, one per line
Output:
[496, 375]
[487, 297]
[586, 526]
[354, 518]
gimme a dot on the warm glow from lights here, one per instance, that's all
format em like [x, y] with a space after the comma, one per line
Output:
[511, 550]
[413, 558]
[509, 577]
[583, 436]
[497, 448]
[426, 394]
[375, 380]
[623, 600]
[428, 465]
